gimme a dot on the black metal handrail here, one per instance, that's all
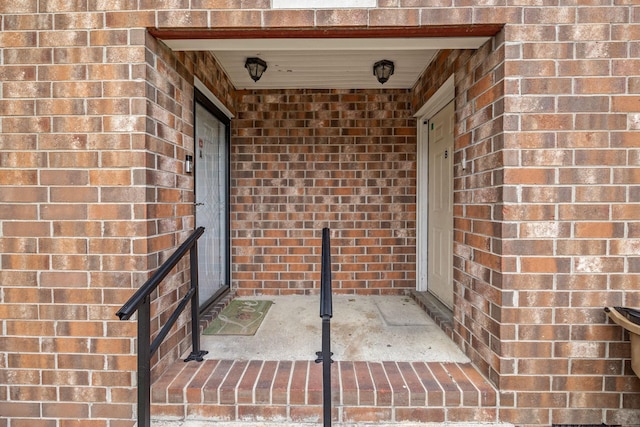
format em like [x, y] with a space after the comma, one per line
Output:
[140, 301]
[326, 313]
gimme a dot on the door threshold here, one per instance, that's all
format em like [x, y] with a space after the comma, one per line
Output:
[440, 313]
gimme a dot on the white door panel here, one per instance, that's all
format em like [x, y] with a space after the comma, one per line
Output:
[440, 221]
[211, 198]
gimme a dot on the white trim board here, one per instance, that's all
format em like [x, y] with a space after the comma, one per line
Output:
[205, 90]
[442, 97]
[307, 45]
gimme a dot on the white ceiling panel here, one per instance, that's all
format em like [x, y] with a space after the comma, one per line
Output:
[318, 63]
[325, 69]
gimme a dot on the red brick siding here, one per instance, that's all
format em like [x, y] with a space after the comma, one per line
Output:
[73, 134]
[74, 116]
[307, 159]
[539, 251]
[169, 206]
[169, 191]
[477, 232]
[92, 202]
[566, 249]
[204, 66]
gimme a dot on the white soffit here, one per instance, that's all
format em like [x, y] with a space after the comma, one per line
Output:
[325, 63]
[311, 44]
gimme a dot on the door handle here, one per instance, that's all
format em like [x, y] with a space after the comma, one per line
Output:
[198, 204]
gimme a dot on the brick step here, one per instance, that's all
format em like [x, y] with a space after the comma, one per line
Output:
[205, 423]
[291, 391]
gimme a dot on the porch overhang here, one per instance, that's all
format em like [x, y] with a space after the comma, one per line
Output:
[326, 58]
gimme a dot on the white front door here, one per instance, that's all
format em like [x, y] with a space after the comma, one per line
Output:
[211, 171]
[440, 201]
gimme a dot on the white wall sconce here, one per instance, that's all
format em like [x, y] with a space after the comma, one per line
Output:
[188, 164]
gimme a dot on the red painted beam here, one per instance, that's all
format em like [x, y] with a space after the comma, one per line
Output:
[482, 30]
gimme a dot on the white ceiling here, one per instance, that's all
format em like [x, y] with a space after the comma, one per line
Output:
[326, 63]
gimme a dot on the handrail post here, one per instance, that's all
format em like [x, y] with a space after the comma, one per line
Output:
[326, 312]
[144, 363]
[196, 353]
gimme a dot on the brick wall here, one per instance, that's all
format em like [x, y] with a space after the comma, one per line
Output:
[477, 191]
[307, 159]
[168, 210]
[542, 231]
[169, 190]
[94, 196]
[71, 218]
[567, 227]
[96, 124]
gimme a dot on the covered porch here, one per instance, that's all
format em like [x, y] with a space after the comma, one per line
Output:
[354, 160]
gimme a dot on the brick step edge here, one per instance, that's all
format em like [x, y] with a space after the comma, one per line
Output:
[368, 384]
[203, 423]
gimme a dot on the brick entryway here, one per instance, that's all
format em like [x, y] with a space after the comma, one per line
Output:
[291, 391]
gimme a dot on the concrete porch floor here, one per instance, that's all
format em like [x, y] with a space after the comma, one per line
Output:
[393, 366]
[363, 328]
